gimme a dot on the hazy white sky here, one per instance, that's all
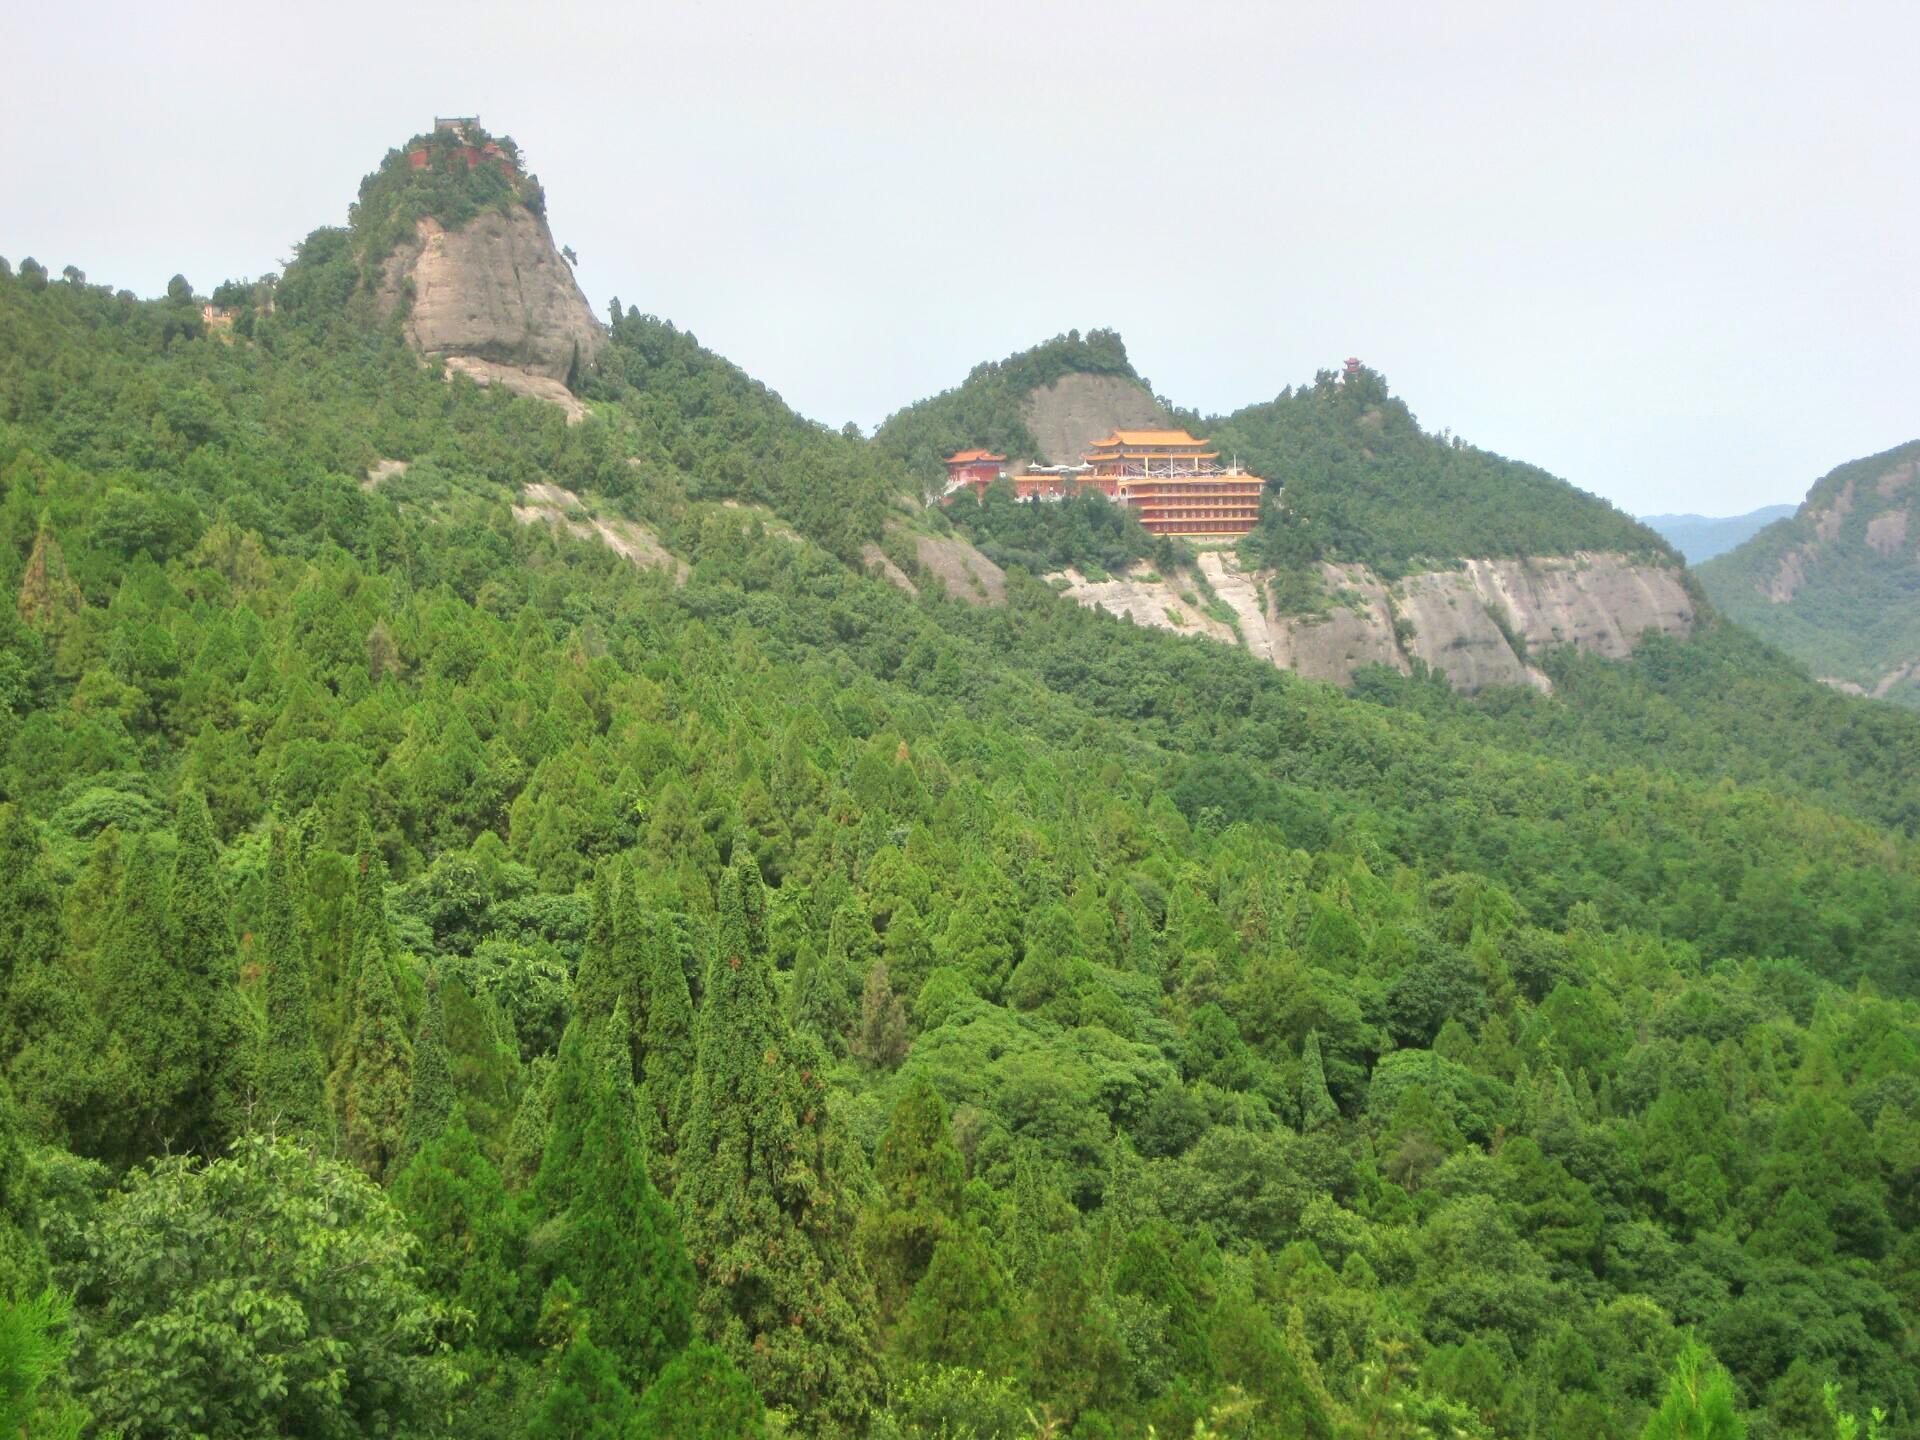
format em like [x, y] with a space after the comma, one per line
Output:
[1667, 250]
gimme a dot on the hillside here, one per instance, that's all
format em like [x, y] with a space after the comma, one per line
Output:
[1837, 585]
[1379, 544]
[1046, 404]
[509, 929]
[1701, 537]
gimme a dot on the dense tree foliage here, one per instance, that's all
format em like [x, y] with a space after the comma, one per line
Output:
[744, 997]
[1362, 481]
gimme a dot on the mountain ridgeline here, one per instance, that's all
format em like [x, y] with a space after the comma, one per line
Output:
[531, 915]
[1837, 584]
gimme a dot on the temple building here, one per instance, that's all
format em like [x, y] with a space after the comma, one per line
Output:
[1173, 482]
[973, 470]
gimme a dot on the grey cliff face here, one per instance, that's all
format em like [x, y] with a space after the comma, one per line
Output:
[497, 292]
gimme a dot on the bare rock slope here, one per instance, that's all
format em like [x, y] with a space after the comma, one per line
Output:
[495, 300]
[1076, 410]
[1477, 625]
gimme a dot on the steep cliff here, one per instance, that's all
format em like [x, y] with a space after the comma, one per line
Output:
[1837, 585]
[495, 300]
[451, 234]
[1479, 625]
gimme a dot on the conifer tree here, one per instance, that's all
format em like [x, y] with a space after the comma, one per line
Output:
[1251, 1353]
[292, 1074]
[920, 1175]
[597, 983]
[50, 1041]
[882, 1037]
[961, 1311]
[155, 1013]
[766, 1215]
[701, 1395]
[201, 937]
[586, 1399]
[430, 1098]
[817, 999]
[470, 1232]
[372, 1082]
[1317, 1110]
[618, 1242]
[1699, 1402]
[668, 1050]
[527, 1135]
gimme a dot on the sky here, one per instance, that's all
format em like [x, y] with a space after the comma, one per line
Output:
[1668, 251]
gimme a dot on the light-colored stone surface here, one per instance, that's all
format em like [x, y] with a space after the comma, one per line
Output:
[1076, 410]
[1454, 631]
[1150, 598]
[1244, 594]
[497, 296]
[1826, 525]
[1897, 476]
[1788, 579]
[967, 574]
[1887, 532]
[1600, 603]
[554, 505]
[1355, 631]
[384, 470]
[521, 382]
[1455, 621]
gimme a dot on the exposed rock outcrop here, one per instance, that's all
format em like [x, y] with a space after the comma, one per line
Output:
[542, 503]
[496, 301]
[967, 575]
[1477, 625]
[1148, 598]
[1076, 410]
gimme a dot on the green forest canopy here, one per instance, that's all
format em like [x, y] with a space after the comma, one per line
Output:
[1269, 1059]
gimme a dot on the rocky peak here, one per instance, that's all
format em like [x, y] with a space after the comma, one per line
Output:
[485, 288]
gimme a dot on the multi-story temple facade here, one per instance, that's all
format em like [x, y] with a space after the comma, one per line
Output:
[1172, 481]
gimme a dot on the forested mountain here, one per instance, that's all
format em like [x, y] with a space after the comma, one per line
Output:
[1701, 537]
[1837, 585]
[462, 978]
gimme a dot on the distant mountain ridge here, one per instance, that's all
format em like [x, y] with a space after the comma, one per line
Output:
[1837, 585]
[1701, 537]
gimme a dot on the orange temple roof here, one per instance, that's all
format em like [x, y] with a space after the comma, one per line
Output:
[1147, 437]
[967, 457]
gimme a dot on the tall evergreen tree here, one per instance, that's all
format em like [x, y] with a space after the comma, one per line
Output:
[817, 1000]
[920, 1175]
[614, 1238]
[430, 1098]
[882, 1038]
[292, 1073]
[701, 1395]
[766, 1215]
[597, 982]
[157, 1014]
[668, 1051]
[1317, 1110]
[471, 1234]
[201, 934]
[51, 1046]
[371, 1084]
[586, 1399]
